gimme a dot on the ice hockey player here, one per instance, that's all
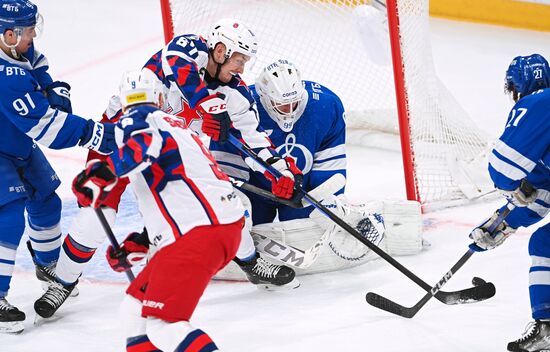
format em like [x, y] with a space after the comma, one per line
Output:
[204, 76]
[188, 57]
[192, 215]
[518, 166]
[307, 122]
[33, 108]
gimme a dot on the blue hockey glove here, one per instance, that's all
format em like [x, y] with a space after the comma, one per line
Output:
[484, 240]
[59, 97]
[99, 137]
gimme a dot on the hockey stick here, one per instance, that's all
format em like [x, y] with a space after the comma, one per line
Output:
[385, 304]
[477, 293]
[111, 237]
[301, 259]
[262, 192]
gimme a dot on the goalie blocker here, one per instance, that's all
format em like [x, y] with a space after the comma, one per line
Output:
[316, 244]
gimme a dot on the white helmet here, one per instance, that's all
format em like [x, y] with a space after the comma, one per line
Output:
[140, 87]
[282, 93]
[235, 36]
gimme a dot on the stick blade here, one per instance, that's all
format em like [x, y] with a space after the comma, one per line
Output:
[383, 303]
[480, 292]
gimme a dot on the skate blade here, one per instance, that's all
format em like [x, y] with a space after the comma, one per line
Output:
[270, 287]
[74, 292]
[38, 320]
[12, 327]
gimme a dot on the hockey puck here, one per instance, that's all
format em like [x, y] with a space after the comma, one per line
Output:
[477, 281]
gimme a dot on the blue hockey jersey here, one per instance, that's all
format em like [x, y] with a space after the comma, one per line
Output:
[316, 142]
[25, 113]
[523, 152]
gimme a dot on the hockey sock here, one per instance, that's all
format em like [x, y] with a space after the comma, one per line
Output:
[72, 260]
[12, 226]
[247, 259]
[45, 243]
[179, 336]
[44, 232]
[140, 343]
[197, 340]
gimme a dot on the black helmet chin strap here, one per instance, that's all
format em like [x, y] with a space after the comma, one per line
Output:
[218, 65]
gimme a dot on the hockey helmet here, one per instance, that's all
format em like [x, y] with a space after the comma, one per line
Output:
[18, 15]
[527, 74]
[235, 36]
[140, 87]
[282, 93]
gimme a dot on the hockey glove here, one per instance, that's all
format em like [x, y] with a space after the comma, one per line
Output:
[522, 196]
[99, 137]
[132, 250]
[59, 97]
[484, 240]
[93, 184]
[288, 186]
[215, 119]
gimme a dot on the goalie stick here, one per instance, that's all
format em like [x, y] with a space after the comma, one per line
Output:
[111, 237]
[408, 312]
[477, 293]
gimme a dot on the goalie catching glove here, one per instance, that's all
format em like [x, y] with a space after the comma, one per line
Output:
[132, 250]
[288, 186]
[215, 119]
[484, 240]
[92, 185]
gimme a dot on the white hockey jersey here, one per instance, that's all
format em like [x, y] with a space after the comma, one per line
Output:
[181, 66]
[177, 182]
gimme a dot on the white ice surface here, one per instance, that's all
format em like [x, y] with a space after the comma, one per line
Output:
[90, 43]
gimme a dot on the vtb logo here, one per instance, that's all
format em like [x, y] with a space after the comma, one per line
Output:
[10, 8]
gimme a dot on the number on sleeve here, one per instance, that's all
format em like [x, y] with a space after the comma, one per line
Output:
[515, 116]
[184, 43]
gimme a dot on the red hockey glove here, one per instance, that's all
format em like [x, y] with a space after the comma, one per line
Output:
[288, 185]
[92, 185]
[215, 119]
[132, 250]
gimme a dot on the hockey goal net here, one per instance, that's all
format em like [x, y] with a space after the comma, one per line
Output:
[345, 45]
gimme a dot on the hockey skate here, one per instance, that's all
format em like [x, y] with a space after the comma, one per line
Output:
[53, 298]
[11, 318]
[267, 275]
[535, 338]
[46, 273]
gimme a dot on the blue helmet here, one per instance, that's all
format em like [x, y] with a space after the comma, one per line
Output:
[527, 74]
[17, 14]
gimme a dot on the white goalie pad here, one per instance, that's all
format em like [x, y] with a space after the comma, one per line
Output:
[332, 249]
[310, 247]
[403, 222]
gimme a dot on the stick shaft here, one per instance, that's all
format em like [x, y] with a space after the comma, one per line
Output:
[111, 237]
